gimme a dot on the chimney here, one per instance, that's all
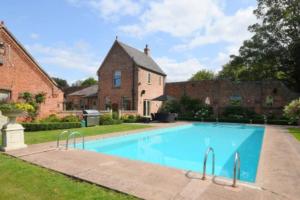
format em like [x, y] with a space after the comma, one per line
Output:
[147, 50]
[1, 23]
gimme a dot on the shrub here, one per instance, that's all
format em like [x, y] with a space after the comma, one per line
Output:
[238, 112]
[70, 118]
[129, 118]
[50, 118]
[115, 115]
[107, 119]
[50, 126]
[292, 110]
[171, 106]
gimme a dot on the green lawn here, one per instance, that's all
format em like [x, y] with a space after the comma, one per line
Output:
[46, 136]
[20, 181]
[295, 132]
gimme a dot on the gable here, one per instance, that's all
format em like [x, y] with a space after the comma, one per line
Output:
[24, 54]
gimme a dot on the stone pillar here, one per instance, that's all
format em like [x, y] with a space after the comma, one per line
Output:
[12, 135]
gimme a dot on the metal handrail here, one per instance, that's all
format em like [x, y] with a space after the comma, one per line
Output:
[237, 166]
[73, 134]
[59, 136]
[210, 149]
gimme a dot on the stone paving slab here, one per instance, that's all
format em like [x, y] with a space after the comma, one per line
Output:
[278, 173]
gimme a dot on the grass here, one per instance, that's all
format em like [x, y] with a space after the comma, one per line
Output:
[20, 180]
[295, 132]
[47, 136]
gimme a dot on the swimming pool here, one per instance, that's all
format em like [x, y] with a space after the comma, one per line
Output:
[183, 147]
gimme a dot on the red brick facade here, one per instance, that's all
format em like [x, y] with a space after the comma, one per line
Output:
[20, 73]
[134, 83]
[263, 97]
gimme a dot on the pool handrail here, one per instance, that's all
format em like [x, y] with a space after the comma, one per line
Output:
[59, 137]
[210, 149]
[73, 134]
[237, 166]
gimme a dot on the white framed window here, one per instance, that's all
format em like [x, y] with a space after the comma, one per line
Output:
[149, 78]
[146, 108]
[117, 78]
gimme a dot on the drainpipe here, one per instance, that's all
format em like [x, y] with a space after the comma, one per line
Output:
[133, 84]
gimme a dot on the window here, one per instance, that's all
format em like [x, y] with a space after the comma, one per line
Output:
[4, 95]
[149, 78]
[159, 80]
[146, 108]
[235, 100]
[117, 79]
[126, 103]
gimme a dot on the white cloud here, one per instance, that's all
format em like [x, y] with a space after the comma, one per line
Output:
[34, 36]
[179, 70]
[230, 29]
[75, 57]
[110, 9]
[176, 17]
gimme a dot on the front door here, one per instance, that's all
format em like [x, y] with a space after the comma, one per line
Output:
[146, 108]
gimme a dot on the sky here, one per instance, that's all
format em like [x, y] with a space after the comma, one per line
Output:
[70, 38]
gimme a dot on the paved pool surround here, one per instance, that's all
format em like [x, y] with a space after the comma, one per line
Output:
[278, 175]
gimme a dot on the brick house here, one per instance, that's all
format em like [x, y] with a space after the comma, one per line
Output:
[21, 73]
[86, 98]
[129, 80]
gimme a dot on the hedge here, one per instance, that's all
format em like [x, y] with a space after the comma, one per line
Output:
[243, 120]
[50, 126]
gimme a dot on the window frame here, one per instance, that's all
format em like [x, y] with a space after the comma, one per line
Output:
[149, 78]
[117, 78]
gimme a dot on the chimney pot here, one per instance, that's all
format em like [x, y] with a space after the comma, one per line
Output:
[147, 50]
[2, 23]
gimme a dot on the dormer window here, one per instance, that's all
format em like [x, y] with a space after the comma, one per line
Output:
[149, 78]
[117, 79]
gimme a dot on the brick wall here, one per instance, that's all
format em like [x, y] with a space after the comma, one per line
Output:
[19, 73]
[253, 94]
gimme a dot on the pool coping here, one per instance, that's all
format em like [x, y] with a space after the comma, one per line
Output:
[36, 154]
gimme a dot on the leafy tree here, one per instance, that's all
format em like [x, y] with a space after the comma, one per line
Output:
[273, 51]
[61, 82]
[88, 82]
[203, 75]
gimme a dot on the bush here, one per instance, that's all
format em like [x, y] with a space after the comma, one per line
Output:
[107, 119]
[129, 118]
[170, 106]
[50, 118]
[292, 111]
[50, 126]
[70, 118]
[238, 112]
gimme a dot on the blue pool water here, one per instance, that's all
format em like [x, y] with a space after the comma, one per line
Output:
[184, 147]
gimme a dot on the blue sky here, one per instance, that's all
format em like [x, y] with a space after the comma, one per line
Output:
[70, 38]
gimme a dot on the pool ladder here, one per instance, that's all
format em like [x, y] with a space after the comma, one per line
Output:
[236, 169]
[71, 135]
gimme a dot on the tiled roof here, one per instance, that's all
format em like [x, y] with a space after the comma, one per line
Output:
[141, 59]
[86, 92]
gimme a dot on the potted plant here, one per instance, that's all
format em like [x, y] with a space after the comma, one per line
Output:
[14, 110]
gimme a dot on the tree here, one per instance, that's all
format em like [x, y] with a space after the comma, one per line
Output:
[273, 51]
[88, 82]
[203, 75]
[61, 82]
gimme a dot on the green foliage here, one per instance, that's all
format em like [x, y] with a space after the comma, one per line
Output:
[107, 119]
[115, 115]
[89, 82]
[187, 107]
[273, 51]
[50, 126]
[50, 118]
[203, 75]
[70, 118]
[61, 82]
[130, 118]
[40, 98]
[238, 112]
[8, 107]
[292, 110]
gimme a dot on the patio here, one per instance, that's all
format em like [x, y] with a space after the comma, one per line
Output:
[278, 174]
